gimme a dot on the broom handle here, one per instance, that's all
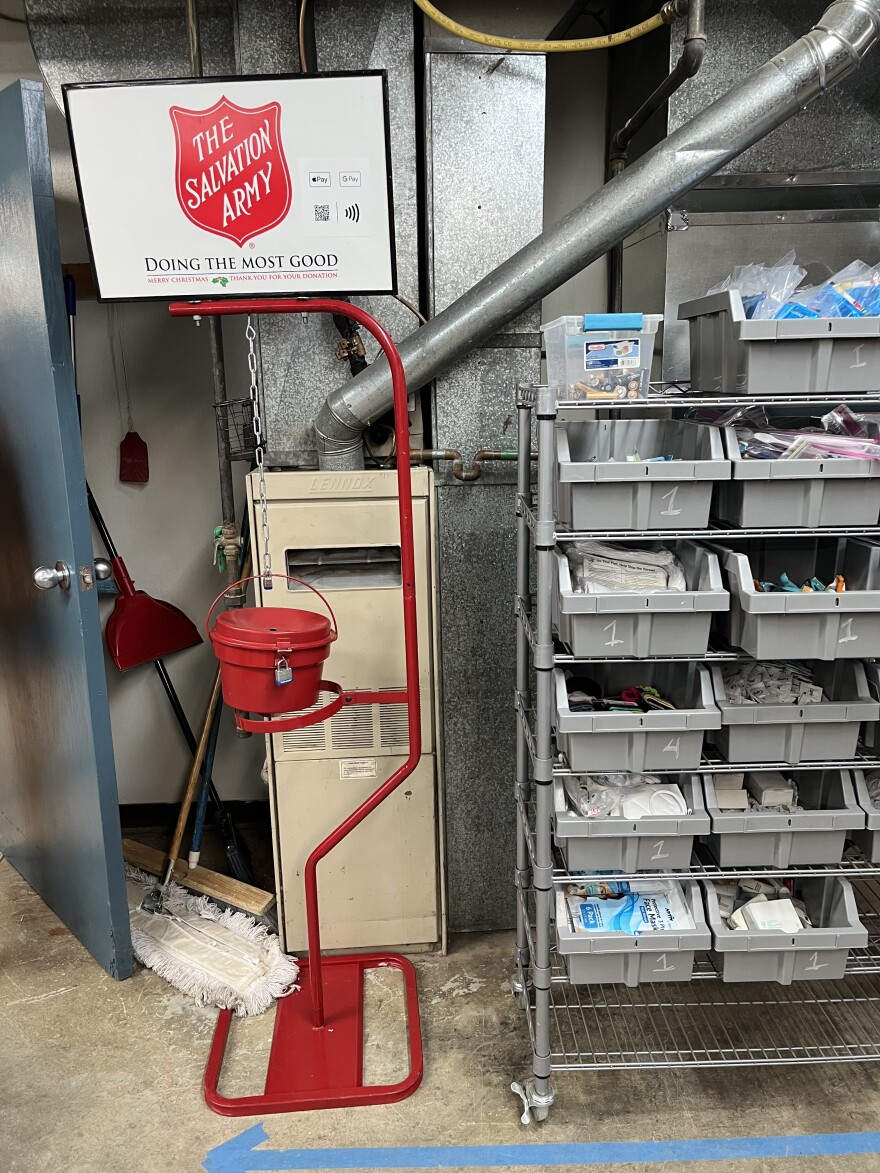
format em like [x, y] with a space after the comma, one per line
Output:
[192, 781]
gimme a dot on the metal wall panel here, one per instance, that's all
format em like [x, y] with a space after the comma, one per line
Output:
[121, 40]
[485, 144]
[300, 367]
[838, 133]
[476, 548]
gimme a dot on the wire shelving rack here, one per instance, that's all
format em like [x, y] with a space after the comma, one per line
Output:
[703, 1022]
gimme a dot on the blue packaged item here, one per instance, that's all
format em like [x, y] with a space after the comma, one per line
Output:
[752, 304]
[634, 913]
[868, 298]
[793, 309]
[835, 303]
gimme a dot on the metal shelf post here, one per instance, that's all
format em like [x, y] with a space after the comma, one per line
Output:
[523, 761]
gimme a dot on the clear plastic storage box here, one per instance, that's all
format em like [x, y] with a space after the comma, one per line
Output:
[732, 355]
[600, 487]
[814, 626]
[601, 357]
[797, 493]
[817, 954]
[796, 733]
[623, 958]
[653, 843]
[628, 623]
[669, 739]
[814, 835]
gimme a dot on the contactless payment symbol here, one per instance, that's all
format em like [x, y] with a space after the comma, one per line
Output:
[231, 174]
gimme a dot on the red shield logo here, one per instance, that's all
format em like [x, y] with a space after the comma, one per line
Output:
[232, 176]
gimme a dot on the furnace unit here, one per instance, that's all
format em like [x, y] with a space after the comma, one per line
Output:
[382, 886]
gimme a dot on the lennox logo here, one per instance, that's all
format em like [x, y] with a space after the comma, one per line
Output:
[232, 176]
[357, 483]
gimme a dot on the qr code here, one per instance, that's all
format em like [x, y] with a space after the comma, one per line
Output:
[322, 213]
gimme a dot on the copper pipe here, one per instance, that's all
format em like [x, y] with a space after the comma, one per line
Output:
[459, 471]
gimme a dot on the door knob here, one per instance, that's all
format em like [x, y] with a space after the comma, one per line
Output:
[46, 577]
[103, 569]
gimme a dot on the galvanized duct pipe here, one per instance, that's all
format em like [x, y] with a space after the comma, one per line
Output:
[834, 48]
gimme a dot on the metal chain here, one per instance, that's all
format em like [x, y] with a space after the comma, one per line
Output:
[259, 455]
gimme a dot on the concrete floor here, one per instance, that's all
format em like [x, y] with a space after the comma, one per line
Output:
[101, 1076]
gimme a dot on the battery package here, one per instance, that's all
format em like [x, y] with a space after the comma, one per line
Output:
[729, 781]
[732, 800]
[770, 788]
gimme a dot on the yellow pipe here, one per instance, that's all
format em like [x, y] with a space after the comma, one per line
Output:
[579, 46]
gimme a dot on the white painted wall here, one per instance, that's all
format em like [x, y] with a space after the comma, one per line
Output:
[164, 528]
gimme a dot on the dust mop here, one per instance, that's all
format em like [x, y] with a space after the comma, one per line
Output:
[221, 957]
[218, 956]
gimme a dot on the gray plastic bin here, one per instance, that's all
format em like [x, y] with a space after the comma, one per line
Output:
[764, 838]
[628, 623]
[620, 958]
[871, 729]
[662, 740]
[732, 355]
[817, 954]
[797, 493]
[598, 488]
[798, 733]
[654, 843]
[813, 626]
[868, 840]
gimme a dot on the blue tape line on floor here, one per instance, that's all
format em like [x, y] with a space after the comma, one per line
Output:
[240, 1155]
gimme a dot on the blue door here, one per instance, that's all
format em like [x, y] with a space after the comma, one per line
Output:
[59, 811]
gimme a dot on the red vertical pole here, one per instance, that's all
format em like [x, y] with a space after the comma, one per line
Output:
[321, 305]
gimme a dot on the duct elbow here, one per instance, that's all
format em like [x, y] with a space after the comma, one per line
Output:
[856, 28]
[832, 49]
[338, 443]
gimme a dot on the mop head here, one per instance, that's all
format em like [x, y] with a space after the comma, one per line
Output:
[217, 956]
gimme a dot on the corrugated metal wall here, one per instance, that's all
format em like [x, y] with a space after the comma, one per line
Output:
[485, 156]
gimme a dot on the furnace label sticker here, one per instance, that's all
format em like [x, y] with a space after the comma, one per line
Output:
[622, 354]
[232, 176]
[357, 768]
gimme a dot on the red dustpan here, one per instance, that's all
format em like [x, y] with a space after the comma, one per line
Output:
[141, 628]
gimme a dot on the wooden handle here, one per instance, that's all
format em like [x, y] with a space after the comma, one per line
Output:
[193, 779]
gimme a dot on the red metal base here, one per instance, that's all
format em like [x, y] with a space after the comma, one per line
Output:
[321, 1067]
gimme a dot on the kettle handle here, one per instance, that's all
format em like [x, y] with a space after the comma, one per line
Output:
[288, 578]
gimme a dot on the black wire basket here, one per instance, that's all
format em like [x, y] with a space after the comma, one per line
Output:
[235, 420]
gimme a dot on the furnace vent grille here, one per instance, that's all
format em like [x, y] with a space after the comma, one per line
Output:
[352, 728]
[393, 726]
[313, 736]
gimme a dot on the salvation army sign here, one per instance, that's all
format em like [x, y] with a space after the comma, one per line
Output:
[232, 176]
[231, 187]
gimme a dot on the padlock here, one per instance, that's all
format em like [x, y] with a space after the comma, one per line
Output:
[283, 671]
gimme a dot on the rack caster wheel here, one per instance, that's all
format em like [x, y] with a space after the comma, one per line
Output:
[535, 1106]
[520, 992]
